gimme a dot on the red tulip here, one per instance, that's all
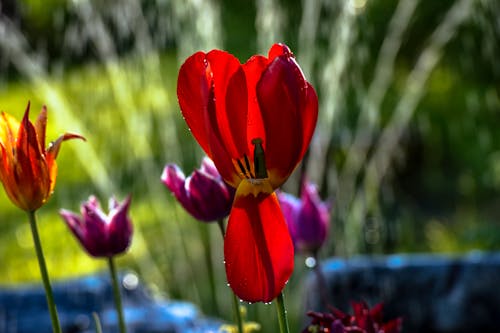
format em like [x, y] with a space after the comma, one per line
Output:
[28, 170]
[255, 121]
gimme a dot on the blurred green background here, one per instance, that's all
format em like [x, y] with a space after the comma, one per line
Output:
[407, 144]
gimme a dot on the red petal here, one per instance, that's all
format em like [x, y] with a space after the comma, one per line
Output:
[231, 95]
[309, 116]
[279, 49]
[254, 68]
[258, 250]
[193, 94]
[201, 86]
[40, 127]
[284, 100]
[32, 173]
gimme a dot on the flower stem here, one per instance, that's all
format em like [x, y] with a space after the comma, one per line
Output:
[207, 244]
[236, 305]
[97, 321]
[117, 296]
[222, 229]
[237, 313]
[56, 326]
[282, 317]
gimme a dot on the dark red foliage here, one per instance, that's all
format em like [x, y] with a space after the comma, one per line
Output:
[364, 320]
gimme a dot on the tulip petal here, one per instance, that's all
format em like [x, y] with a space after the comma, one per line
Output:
[193, 94]
[197, 99]
[313, 219]
[254, 68]
[119, 228]
[95, 240]
[40, 127]
[290, 206]
[279, 49]
[75, 223]
[208, 166]
[8, 129]
[210, 196]
[175, 180]
[51, 155]
[8, 179]
[258, 250]
[282, 94]
[30, 167]
[309, 117]
[231, 95]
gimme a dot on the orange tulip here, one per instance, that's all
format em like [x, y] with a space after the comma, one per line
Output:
[28, 170]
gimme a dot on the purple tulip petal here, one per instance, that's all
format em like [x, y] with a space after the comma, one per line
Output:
[209, 196]
[208, 166]
[174, 179]
[203, 194]
[290, 206]
[75, 223]
[119, 228]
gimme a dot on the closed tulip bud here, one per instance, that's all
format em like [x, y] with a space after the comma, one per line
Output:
[308, 218]
[203, 194]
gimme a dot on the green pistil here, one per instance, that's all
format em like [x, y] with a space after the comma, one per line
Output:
[259, 160]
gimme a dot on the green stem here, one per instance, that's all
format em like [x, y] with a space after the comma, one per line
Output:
[97, 321]
[283, 321]
[222, 229]
[236, 305]
[117, 296]
[56, 327]
[207, 244]
[237, 313]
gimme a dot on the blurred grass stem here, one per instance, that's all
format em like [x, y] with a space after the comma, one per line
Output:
[56, 327]
[97, 322]
[117, 295]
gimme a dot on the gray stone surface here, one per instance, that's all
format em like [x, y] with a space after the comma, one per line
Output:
[432, 293]
[23, 309]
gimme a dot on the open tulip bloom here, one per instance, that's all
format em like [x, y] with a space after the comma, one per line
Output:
[255, 121]
[28, 170]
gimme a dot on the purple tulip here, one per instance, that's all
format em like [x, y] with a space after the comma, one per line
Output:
[308, 218]
[203, 194]
[101, 235]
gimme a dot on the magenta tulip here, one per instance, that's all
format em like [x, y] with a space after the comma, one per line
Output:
[308, 218]
[101, 234]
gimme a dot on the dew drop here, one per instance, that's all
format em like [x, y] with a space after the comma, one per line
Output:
[310, 262]
[130, 281]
